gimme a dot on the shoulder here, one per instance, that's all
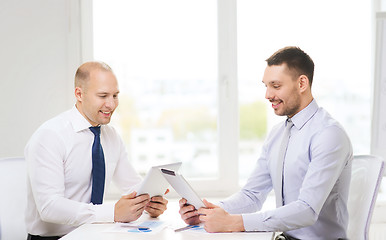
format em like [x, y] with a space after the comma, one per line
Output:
[323, 121]
[50, 135]
[53, 127]
[58, 123]
[328, 132]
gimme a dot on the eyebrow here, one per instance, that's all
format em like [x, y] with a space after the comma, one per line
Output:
[107, 93]
[272, 82]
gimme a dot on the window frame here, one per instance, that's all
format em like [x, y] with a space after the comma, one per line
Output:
[228, 119]
[228, 107]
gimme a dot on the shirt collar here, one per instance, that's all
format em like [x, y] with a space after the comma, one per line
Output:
[78, 122]
[302, 117]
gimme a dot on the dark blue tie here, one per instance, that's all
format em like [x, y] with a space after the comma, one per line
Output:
[98, 168]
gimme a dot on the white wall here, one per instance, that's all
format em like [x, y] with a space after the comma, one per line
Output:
[39, 53]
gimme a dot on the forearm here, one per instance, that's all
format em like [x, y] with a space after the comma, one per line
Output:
[242, 202]
[69, 212]
[292, 216]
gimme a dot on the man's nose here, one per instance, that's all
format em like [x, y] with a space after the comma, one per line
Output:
[110, 103]
[268, 94]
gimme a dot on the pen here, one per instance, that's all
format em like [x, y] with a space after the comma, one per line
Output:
[185, 228]
[138, 227]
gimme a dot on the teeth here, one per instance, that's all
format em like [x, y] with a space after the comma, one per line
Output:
[105, 112]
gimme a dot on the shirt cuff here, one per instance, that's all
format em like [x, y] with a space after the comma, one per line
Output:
[104, 212]
[253, 222]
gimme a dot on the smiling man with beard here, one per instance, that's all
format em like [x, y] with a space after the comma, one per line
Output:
[73, 158]
[306, 160]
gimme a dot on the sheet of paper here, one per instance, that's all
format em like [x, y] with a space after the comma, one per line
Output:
[138, 227]
[197, 229]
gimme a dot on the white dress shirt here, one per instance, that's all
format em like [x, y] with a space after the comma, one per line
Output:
[316, 176]
[59, 179]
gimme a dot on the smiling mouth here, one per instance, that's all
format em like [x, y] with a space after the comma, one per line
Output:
[276, 105]
[106, 113]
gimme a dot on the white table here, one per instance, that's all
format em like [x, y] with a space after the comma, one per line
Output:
[95, 232]
[171, 216]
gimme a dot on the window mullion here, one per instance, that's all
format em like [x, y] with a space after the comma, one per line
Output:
[228, 94]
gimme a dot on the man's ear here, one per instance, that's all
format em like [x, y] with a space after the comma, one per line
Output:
[304, 83]
[78, 94]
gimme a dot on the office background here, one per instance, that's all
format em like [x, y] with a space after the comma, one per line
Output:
[43, 42]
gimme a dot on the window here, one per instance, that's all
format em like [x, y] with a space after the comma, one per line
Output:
[337, 36]
[190, 77]
[164, 54]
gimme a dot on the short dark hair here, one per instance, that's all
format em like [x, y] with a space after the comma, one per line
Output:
[297, 61]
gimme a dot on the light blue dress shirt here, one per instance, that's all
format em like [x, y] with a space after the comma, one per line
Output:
[316, 176]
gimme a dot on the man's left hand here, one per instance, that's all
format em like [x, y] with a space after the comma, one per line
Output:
[216, 219]
[156, 206]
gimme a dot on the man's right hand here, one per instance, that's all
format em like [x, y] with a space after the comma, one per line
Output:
[188, 213]
[129, 207]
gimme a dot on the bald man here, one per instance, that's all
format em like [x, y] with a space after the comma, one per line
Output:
[60, 156]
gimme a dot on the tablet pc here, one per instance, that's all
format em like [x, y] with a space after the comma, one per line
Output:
[154, 183]
[182, 187]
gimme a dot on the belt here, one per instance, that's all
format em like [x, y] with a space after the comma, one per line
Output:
[285, 237]
[37, 237]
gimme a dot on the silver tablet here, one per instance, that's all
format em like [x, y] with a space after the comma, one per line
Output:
[182, 187]
[154, 183]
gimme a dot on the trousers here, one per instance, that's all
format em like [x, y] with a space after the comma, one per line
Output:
[36, 237]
